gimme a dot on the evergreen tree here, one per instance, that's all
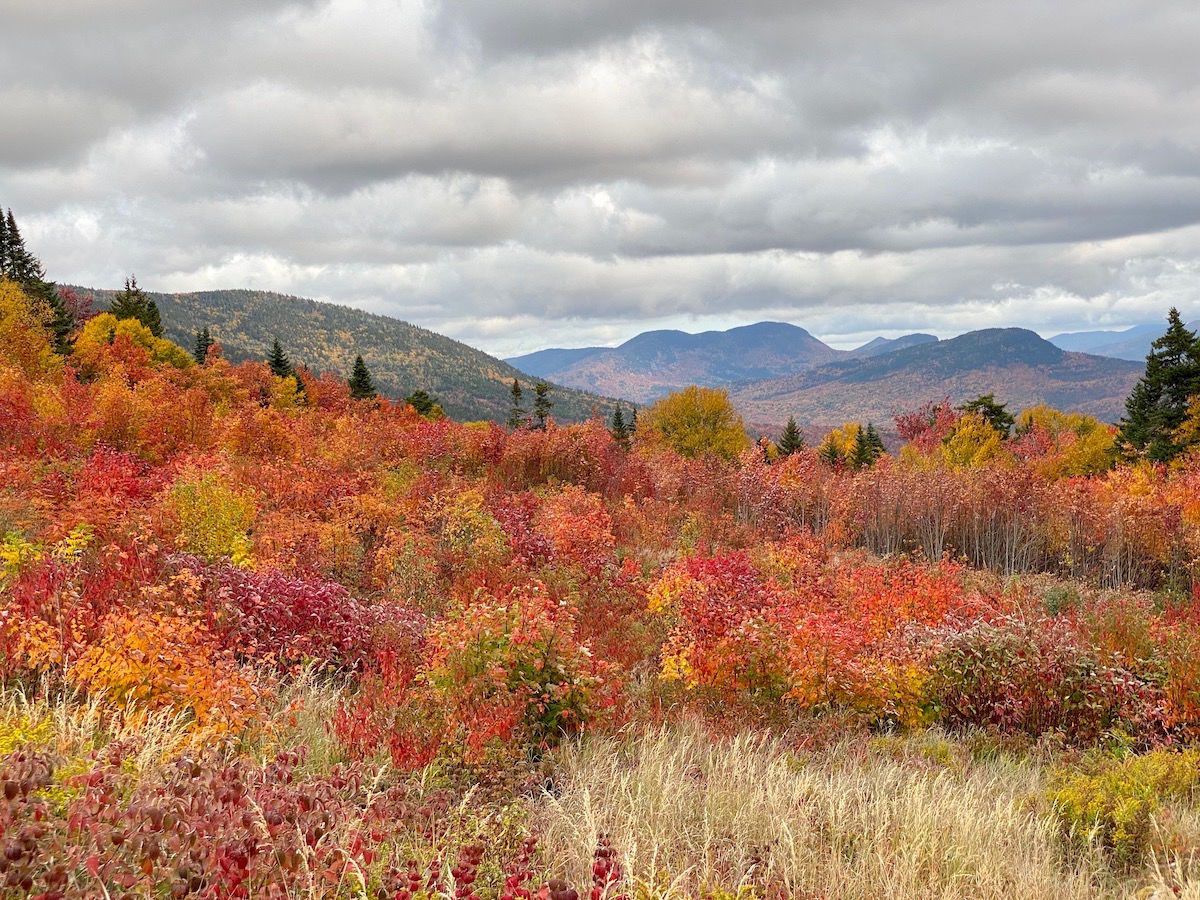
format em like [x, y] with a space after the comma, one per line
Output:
[875, 441]
[1158, 403]
[3, 245]
[424, 404]
[542, 403]
[830, 453]
[618, 429]
[17, 263]
[868, 447]
[995, 414]
[631, 426]
[791, 440]
[281, 366]
[516, 412]
[132, 303]
[203, 342]
[361, 385]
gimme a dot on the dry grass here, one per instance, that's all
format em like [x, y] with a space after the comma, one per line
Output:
[689, 813]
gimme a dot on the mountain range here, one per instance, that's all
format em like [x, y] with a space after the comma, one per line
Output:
[1131, 343]
[401, 357]
[1019, 367]
[774, 370]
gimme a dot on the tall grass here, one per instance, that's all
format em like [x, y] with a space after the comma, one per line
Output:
[690, 814]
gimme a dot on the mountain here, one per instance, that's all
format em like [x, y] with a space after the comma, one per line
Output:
[1019, 367]
[325, 337]
[1132, 343]
[543, 363]
[882, 345]
[657, 362]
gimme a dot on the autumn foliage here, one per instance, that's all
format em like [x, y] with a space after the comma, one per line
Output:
[195, 540]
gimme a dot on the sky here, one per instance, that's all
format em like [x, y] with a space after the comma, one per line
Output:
[533, 173]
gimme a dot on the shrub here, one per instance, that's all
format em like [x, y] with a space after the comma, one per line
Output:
[1035, 677]
[284, 619]
[213, 518]
[151, 661]
[1114, 801]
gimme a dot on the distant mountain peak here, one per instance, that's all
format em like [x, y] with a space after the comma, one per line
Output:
[654, 363]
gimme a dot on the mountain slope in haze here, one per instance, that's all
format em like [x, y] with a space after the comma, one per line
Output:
[656, 362]
[325, 337]
[543, 363]
[1018, 366]
[882, 345]
[1131, 343]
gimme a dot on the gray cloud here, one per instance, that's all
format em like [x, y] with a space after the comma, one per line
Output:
[539, 171]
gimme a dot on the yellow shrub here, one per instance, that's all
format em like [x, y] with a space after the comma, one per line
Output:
[1114, 802]
[214, 519]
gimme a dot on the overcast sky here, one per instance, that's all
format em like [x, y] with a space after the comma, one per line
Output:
[524, 173]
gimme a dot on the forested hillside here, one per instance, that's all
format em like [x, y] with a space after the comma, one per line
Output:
[326, 337]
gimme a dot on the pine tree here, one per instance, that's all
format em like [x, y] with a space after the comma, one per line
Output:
[204, 340]
[361, 385]
[1158, 403]
[516, 412]
[132, 303]
[995, 414]
[4, 273]
[424, 404]
[875, 441]
[830, 453]
[17, 263]
[632, 424]
[790, 440]
[868, 447]
[618, 429]
[542, 404]
[281, 366]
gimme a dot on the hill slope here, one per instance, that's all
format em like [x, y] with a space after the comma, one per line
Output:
[1021, 369]
[326, 337]
[657, 362]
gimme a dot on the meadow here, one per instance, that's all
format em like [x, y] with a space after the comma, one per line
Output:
[261, 639]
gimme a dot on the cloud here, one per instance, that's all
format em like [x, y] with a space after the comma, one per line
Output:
[538, 171]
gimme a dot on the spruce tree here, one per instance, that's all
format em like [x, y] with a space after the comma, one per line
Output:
[542, 404]
[424, 404]
[132, 303]
[631, 426]
[868, 447]
[361, 385]
[830, 453]
[874, 441]
[3, 245]
[790, 440]
[618, 429]
[995, 414]
[1158, 403]
[281, 366]
[516, 412]
[17, 263]
[203, 342]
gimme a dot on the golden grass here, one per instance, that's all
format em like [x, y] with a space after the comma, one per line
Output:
[690, 813]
